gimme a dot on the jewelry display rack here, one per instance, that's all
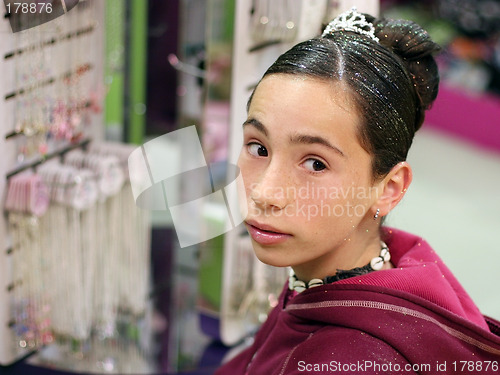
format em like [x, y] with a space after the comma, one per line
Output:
[47, 47]
[38, 65]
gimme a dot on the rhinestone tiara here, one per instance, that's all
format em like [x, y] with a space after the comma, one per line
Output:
[351, 20]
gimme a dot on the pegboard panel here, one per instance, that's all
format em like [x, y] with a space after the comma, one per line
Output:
[50, 90]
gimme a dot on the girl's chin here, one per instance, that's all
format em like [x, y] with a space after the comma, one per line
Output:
[271, 257]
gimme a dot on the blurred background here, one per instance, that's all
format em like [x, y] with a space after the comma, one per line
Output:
[90, 283]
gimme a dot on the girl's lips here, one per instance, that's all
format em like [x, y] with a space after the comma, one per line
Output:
[264, 234]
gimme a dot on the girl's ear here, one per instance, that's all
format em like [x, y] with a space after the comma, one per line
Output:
[393, 188]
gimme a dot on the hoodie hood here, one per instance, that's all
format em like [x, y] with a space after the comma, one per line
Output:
[419, 275]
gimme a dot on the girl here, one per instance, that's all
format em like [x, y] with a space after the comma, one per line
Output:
[328, 130]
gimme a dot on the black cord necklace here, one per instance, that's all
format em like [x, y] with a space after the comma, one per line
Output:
[375, 264]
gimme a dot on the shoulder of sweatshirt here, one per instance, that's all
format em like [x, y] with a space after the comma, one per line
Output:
[345, 350]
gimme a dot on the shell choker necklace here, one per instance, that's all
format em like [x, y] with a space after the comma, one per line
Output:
[375, 264]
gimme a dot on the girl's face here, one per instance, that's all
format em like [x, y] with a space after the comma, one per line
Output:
[307, 178]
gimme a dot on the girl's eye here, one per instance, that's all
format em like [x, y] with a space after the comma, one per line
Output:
[256, 149]
[314, 165]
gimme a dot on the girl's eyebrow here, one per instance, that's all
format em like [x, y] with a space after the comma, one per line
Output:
[257, 125]
[314, 139]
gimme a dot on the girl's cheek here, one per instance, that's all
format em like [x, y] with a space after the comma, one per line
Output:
[247, 179]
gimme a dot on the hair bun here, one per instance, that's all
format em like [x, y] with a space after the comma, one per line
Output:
[414, 46]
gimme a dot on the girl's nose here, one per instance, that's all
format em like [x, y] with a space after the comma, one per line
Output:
[271, 191]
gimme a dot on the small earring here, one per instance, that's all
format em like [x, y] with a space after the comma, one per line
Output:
[376, 214]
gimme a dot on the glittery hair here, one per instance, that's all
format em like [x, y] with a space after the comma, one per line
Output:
[392, 81]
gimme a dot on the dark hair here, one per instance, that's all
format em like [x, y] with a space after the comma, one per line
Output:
[392, 81]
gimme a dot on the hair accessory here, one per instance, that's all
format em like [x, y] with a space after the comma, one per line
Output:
[375, 217]
[375, 264]
[351, 20]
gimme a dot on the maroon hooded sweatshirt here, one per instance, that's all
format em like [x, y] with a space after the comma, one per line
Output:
[413, 319]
